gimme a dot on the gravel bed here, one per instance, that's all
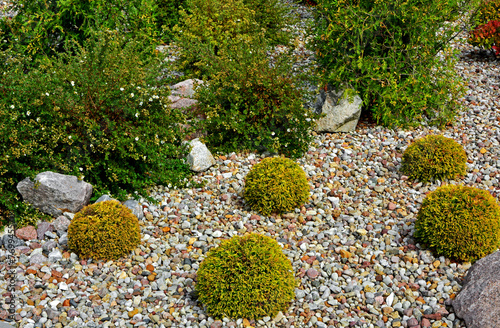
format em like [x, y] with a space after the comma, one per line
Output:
[351, 245]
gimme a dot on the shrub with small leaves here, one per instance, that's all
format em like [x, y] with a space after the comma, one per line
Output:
[43, 27]
[246, 277]
[387, 51]
[106, 230]
[209, 26]
[253, 104]
[434, 157]
[459, 222]
[100, 115]
[276, 185]
[487, 36]
[485, 23]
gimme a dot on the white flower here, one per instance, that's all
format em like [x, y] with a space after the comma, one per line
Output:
[140, 104]
[287, 130]
[144, 157]
[81, 169]
[132, 95]
[28, 113]
[138, 88]
[136, 138]
[91, 145]
[308, 119]
[121, 89]
[72, 83]
[150, 100]
[38, 119]
[136, 114]
[47, 94]
[272, 133]
[12, 106]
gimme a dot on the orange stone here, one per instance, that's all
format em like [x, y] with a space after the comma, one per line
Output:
[166, 229]
[150, 267]
[66, 303]
[30, 302]
[30, 271]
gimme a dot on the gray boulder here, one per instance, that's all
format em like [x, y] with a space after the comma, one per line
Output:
[199, 158]
[55, 193]
[135, 207]
[342, 111]
[478, 303]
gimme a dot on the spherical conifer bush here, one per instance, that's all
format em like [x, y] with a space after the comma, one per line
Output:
[105, 230]
[459, 222]
[246, 277]
[276, 185]
[434, 157]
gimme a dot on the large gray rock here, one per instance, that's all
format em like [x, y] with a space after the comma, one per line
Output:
[479, 301]
[199, 158]
[342, 111]
[55, 193]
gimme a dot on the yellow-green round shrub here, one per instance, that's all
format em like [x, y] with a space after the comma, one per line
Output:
[246, 277]
[459, 222]
[434, 157]
[105, 230]
[276, 185]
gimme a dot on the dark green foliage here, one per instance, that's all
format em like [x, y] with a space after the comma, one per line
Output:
[276, 185]
[250, 104]
[246, 277]
[210, 26]
[43, 27]
[105, 230]
[387, 52]
[100, 114]
[167, 16]
[434, 157]
[459, 222]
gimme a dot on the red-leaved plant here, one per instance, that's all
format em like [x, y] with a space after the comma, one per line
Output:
[487, 36]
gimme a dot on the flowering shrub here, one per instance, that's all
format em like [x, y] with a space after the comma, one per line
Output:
[100, 115]
[251, 104]
[487, 36]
